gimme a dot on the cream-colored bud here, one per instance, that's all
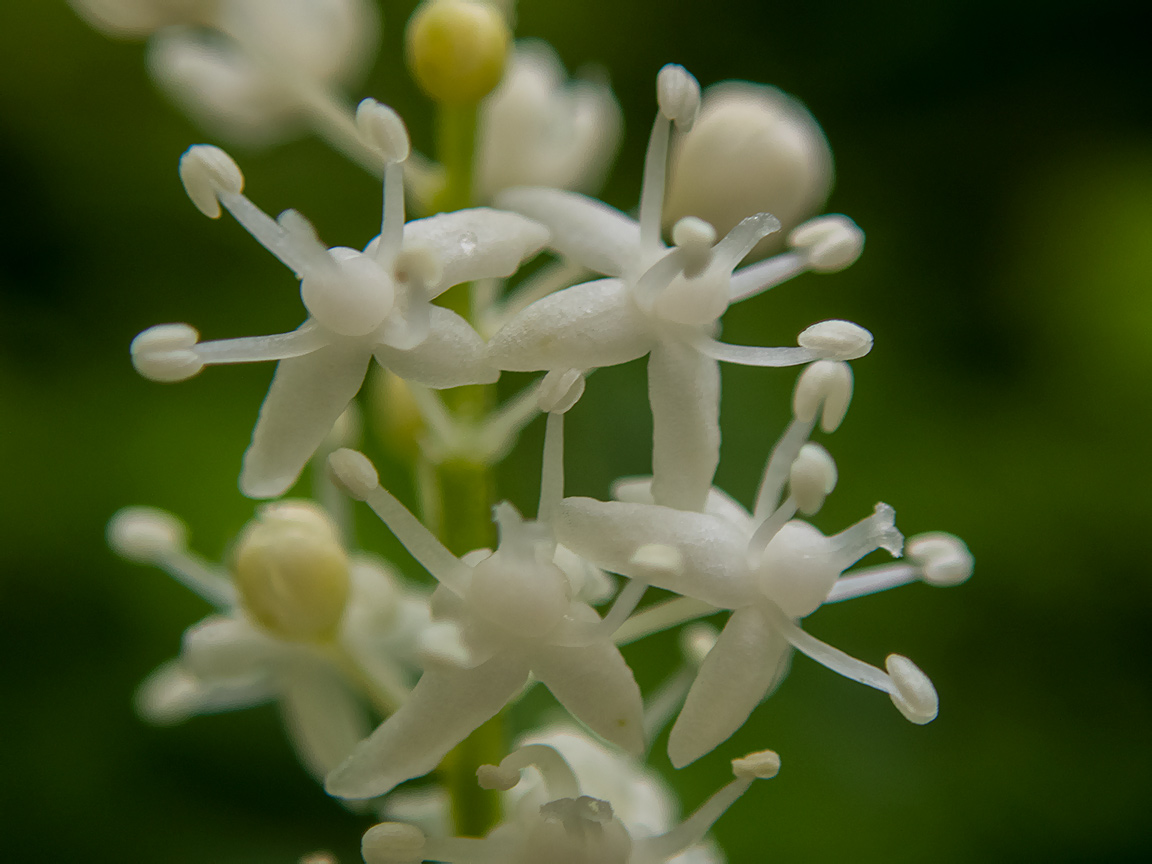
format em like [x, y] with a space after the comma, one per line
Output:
[292, 572]
[456, 49]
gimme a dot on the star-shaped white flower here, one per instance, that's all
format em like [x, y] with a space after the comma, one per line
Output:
[516, 615]
[298, 622]
[569, 828]
[771, 570]
[360, 305]
[667, 303]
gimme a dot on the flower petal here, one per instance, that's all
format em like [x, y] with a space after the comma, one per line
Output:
[452, 355]
[172, 694]
[221, 648]
[307, 397]
[684, 391]
[443, 709]
[588, 325]
[592, 234]
[323, 717]
[608, 533]
[595, 684]
[746, 662]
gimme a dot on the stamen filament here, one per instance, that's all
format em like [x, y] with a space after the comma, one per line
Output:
[872, 580]
[200, 577]
[392, 222]
[558, 775]
[768, 529]
[662, 616]
[754, 355]
[825, 654]
[765, 275]
[652, 191]
[552, 471]
[254, 349]
[693, 829]
[779, 466]
[267, 231]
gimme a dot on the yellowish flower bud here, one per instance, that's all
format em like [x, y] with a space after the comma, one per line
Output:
[396, 416]
[457, 49]
[292, 572]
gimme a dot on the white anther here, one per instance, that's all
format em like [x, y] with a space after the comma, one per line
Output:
[418, 262]
[913, 693]
[813, 477]
[658, 558]
[826, 383]
[837, 340]
[442, 642]
[495, 777]
[678, 95]
[943, 557]
[696, 640]
[692, 232]
[383, 129]
[393, 843]
[206, 171]
[831, 243]
[560, 390]
[353, 470]
[164, 352]
[763, 765]
[144, 534]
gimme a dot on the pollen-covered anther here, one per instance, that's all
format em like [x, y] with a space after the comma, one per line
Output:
[837, 340]
[695, 237]
[145, 535]
[912, 692]
[763, 765]
[206, 172]
[678, 95]
[164, 352]
[383, 130]
[830, 243]
[393, 843]
[943, 558]
[560, 390]
[354, 472]
[812, 479]
[824, 386]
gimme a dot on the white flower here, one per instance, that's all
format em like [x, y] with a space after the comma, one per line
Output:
[298, 622]
[139, 18]
[360, 305]
[569, 828]
[768, 568]
[538, 130]
[666, 304]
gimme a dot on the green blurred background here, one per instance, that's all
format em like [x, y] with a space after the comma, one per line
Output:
[999, 157]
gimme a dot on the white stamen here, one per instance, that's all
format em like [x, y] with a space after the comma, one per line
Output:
[813, 477]
[164, 353]
[383, 130]
[560, 390]
[552, 468]
[206, 172]
[145, 535]
[393, 843]
[558, 776]
[824, 387]
[355, 472]
[877, 531]
[830, 243]
[696, 238]
[837, 340]
[678, 95]
[696, 641]
[763, 765]
[912, 691]
[944, 558]
[305, 243]
[779, 464]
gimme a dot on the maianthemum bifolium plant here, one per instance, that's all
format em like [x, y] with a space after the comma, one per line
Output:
[381, 682]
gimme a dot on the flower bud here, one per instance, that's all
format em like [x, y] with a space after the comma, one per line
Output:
[395, 412]
[292, 572]
[456, 49]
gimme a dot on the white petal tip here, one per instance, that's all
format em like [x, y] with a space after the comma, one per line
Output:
[824, 385]
[206, 172]
[560, 390]
[383, 130]
[355, 472]
[830, 243]
[837, 340]
[393, 843]
[763, 765]
[678, 94]
[144, 534]
[164, 353]
[495, 777]
[944, 558]
[912, 692]
[813, 477]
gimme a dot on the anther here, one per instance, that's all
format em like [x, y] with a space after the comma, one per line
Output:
[830, 243]
[813, 477]
[695, 237]
[145, 535]
[678, 94]
[383, 129]
[763, 765]
[353, 470]
[164, 353]
[560, 390]
[206, 172]
[836, 340]
[943, 558]
[824, 386]
[912, 693]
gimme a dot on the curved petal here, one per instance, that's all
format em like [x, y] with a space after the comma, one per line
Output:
[172, 694]
[323, 717]
[307, 396]
[712, 550]
[583, 327]
[595, 684]
[747, 661]
[452, 355]
[443, 709]
[592, 234]
[481, 243]
[684, 392]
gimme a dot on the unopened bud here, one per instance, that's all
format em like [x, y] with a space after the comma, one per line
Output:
[456, 49]
[383, 129]
[144, 534]
[292, 572]
[825, 384]
[912, 693]
[944, 558]
[678, 95]
[393, 843]
[831, 243]
[207, 171]
[837, 340]
[164, 353]
[763, 765]
[813, 477]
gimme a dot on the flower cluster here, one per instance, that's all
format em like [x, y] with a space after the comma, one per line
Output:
[379, 680]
